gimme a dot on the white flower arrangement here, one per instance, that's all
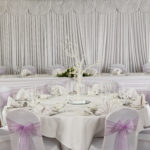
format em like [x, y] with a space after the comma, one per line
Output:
[25, 72]
[116, 71]
[128, 94]
[72, 52]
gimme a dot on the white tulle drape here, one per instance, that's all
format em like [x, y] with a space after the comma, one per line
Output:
[104, 37]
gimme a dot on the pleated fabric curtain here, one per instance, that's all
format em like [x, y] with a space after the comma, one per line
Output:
[106, 38]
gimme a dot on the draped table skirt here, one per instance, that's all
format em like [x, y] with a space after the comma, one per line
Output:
[139, 81]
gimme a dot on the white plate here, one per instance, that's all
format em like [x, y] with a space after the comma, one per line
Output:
[79, 102]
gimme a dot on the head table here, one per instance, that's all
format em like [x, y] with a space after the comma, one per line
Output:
[139, 81]
[76, 125]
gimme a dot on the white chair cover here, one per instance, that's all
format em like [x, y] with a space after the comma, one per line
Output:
[2, 70]
[104, 87]
[4, 94]
[23, 118]
[146, 68]
[144, 140]
[4, 140]
[129, 120]
[96, 144]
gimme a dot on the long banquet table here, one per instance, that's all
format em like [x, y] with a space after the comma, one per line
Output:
[139, 81]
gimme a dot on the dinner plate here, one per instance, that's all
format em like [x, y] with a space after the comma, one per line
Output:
[79, 102]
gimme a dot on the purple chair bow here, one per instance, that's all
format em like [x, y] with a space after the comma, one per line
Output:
[122, 129]
[25, 133]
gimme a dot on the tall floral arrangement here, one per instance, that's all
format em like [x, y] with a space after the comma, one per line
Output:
[79, 69]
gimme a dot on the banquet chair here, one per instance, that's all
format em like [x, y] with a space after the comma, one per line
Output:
[25, 131]
[120, 128]
[4, 140]
[5, 92]
[110, 86]
[2, 70]
[146, 68]
[144, 140]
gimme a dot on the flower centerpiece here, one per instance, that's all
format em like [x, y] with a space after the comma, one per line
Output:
[79, 70]
[71, 73]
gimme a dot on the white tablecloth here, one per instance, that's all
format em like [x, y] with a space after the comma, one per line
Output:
[75, 130]
[73, 127]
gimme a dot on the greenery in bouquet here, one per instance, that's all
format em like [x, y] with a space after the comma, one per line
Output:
[71, 73]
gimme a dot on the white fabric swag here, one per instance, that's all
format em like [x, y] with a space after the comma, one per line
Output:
[109, 38]
[40, 7]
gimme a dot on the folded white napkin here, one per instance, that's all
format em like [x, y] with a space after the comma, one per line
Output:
[91, 109]
[53, 109]
[116, 71]
[16, 104]
[44, 96]
[29, 95]
[21, 94]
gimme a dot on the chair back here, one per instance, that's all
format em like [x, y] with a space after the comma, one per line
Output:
[2, 70]
[144, 140]
[146, 68]
[5, 92]
[120, 130]
[25, 132]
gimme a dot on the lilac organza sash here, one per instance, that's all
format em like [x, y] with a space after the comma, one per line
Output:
[122, 129]
[25, 133]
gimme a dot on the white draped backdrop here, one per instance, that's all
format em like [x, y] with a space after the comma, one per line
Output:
[33, 32]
